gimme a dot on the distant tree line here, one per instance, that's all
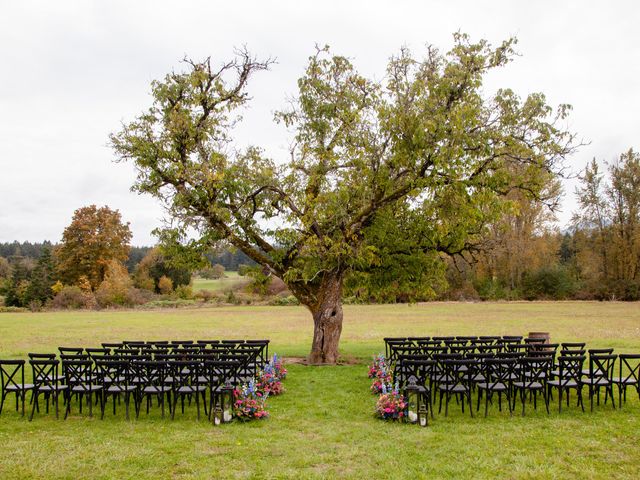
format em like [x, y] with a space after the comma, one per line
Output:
[520, 255]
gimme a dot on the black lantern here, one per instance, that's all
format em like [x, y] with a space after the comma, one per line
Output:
[416, 403]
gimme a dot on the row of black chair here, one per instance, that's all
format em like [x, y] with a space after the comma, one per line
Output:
[395, 346]
[166, 371]
[510, 373]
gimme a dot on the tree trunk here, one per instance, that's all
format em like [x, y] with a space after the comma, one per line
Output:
[327, 320]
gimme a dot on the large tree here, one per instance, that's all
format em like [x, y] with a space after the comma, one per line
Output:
[423, 155]
[95, 237]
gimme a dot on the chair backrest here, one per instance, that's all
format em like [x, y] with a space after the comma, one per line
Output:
[534, 340]
[629, 367]
[74, 356]
[431, 351]
[113, 371]
[572, 353]
[112, 345]
[184, 372]
[70, 350]
[429, 343]
[602, 366]
[455, 343]
[573, 345]
[150, 372]
[97, 352]
[570, 368]
[45, 373]
[419, 370]
[126, 351]
[499, 371]
[600, 351]
[470, 339]
[493, 348]
[41, 356]
[550, 348]
[459, 372]
[11, 372]
[442, 339]
[464, 350]
[442, 358]
[221, 372]
[490, 338]
[534, 370]
[77, 372]
[518, 347]
[418, 339]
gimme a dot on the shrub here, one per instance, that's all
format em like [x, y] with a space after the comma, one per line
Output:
[185, 292]
[285, 301]
[73, 297]
[205, 295]
[114, 290]
[165, 285]
[213, 273]
[13, 310]
[554, 283]
[169, 303]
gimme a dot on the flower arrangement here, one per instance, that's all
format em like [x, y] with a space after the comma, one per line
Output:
[391, 405]
[378, 366]
[380, 384]
[278, 367]
[268, 382]
[249, 402]
[380, 373]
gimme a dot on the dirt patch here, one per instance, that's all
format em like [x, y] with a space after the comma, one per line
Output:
[304, 361]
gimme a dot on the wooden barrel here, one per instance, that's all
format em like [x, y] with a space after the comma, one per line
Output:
[545, 335]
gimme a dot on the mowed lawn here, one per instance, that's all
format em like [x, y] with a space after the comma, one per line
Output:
[323, 426]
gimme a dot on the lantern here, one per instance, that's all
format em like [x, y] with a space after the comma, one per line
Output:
[416, 404]
[227, 402]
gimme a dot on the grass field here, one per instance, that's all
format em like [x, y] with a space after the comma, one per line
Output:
[323, 427]
[230, 280]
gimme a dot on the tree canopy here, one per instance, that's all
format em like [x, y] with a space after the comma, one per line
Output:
[417, 164]
[95, 237]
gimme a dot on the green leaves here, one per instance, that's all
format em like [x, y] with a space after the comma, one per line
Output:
[420, 159]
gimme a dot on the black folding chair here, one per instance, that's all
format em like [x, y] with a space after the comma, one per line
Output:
[568, 378]
[12, 381]
[629, 375]
[79, 379]
[186, 375]
[221, 376]
[117, 380]
[600, 375]
[151, 381]
[458, 375]
[416, 375]
[45, 381]
[498, 378]
[534, 372]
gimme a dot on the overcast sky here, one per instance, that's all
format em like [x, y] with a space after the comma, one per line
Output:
[72, 71]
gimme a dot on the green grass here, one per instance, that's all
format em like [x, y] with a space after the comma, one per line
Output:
[229, 281]
[323, 427]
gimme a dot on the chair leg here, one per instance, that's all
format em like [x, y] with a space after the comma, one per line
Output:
[34, 401]
[559, 399]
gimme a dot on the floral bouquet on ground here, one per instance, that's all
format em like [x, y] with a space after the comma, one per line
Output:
[268, 382]
[379, 364]
[381, 382]
[278, 367]
[391, 405]
[249, 402]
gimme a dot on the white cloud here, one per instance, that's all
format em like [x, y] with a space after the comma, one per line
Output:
[71, 71]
